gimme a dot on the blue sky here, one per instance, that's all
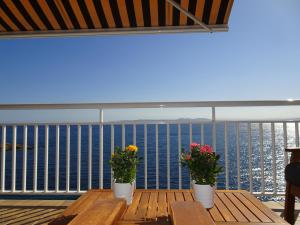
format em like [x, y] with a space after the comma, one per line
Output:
[259, 58]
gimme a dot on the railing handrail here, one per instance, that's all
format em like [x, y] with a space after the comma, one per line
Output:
[147, 122]
[127, 105]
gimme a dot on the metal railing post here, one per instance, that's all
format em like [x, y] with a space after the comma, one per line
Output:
[3, 158]
[101, 148]
[213, 118]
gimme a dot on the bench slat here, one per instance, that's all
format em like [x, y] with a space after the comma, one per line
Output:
[190, 213]
[102, 212]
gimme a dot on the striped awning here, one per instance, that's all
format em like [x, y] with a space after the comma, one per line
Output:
[21, 18]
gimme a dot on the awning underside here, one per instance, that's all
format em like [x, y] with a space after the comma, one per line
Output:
[70, 17]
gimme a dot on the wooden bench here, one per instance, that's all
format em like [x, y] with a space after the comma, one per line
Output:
[190, 213]
[93, 208]
[102, 212]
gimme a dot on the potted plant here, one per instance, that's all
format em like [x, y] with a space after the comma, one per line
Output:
[123, 163]
[202, 162]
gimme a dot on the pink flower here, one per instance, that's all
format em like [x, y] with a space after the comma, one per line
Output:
[188, 157]
[194, 145]
[206, 148]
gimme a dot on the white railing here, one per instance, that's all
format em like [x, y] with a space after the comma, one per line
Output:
[256, 165]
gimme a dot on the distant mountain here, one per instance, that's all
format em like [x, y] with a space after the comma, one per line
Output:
[179, 120]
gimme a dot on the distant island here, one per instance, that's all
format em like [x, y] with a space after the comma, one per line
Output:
[18, 147]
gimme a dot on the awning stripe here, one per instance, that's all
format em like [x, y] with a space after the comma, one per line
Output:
[17, 14]
[154, 12]
[79, 14]
[86, 14]
[35, 17]
[176, 12]
[228, 11]
[56, 14]
[7, 21]
[169, 14]
[200, 9]
[192, 9]
[131, 13]
[214, 11]
[92, 13]
[183, 18]
[12, 18]
[138, 9]
[108, 13]
[146, 13]
[68, 14]
[63, 12]
[206, 11]
[122, 8]
[222, 11]
[1, 28]
[115, 12]
[42, 9]
[162, 13]
[25, 16]
[21, 16]
[100, 13]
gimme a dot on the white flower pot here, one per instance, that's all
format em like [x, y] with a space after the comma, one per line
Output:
[204, 194]
[124, 190]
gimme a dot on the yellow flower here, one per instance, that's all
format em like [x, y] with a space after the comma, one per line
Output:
[112, 155]
[132, 148]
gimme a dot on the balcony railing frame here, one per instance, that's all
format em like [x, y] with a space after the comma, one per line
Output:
[101, 107]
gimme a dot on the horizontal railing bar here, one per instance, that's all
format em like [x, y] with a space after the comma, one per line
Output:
[142, 122]
[74, 192]
[268, 194]
[42, 192]
[127, 105]
[259, 121]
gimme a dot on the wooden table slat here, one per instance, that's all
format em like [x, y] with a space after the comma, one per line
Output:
[262, 217]
[152, 206]
[74, 207]
[179, 196]
[233, 209]
[131, 211]
[224, 210]
[162, 211]
[216, 215]
[263, 208]
[143, 206]
[188, 196]
[247, 213]
[170, 199]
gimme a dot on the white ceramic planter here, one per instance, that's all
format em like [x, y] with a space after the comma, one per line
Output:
[124, 190]
[204, 194]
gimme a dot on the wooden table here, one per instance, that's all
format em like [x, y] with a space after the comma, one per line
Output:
[153, 207]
